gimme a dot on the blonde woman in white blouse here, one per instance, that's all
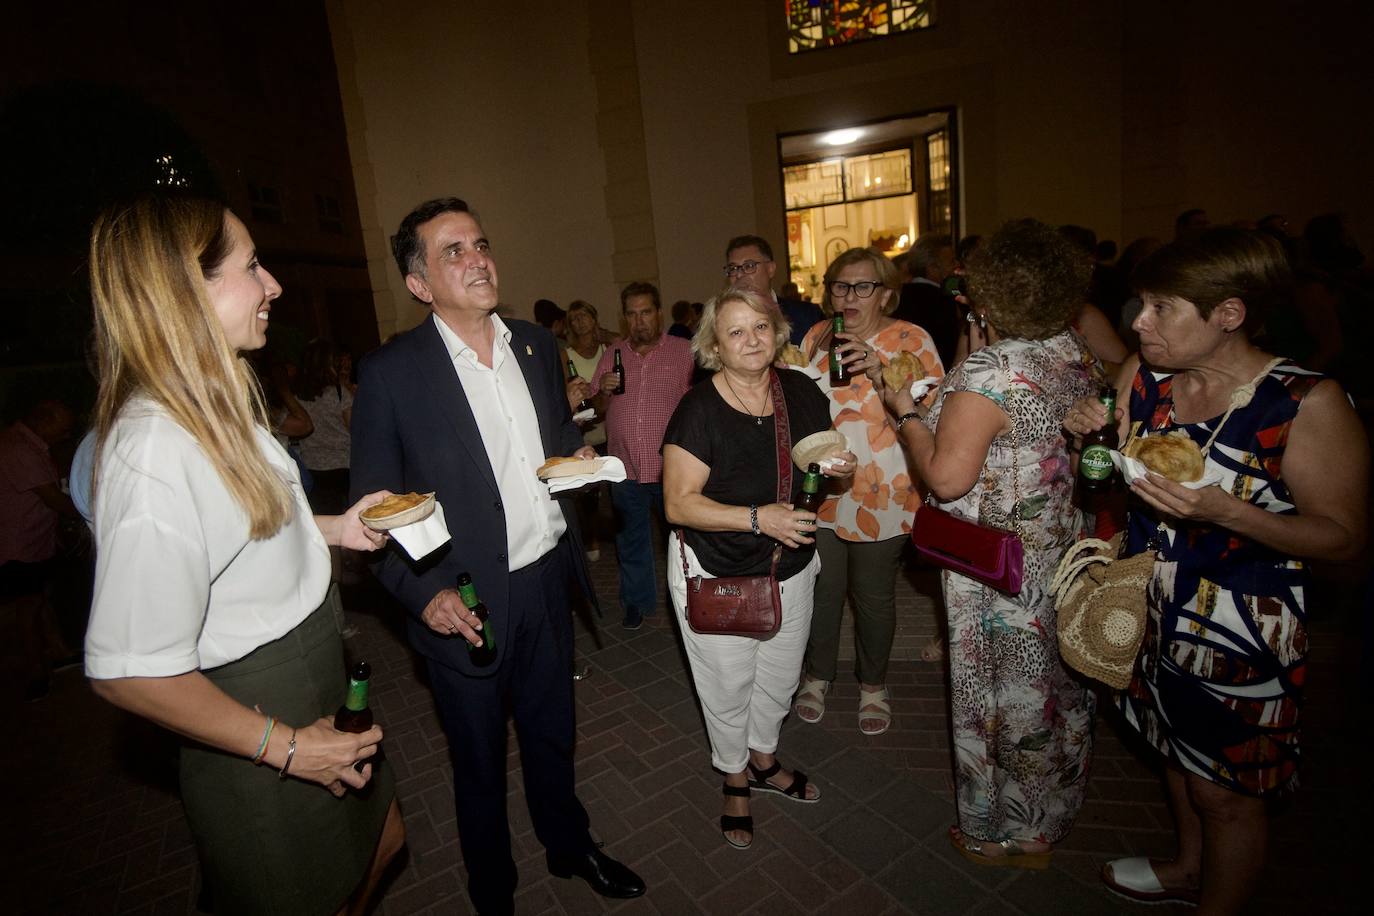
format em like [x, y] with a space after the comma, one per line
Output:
[211, 571]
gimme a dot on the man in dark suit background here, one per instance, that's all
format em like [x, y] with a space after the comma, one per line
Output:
[924, 301]
[469, 406]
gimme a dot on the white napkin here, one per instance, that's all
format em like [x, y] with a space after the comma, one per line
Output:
[581, 415]
[828, 463]
[1131, 469]
[425, 536]
[810, 372]
[612, 470]
[921, 387]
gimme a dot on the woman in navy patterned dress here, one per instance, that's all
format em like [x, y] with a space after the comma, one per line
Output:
[1218, 682]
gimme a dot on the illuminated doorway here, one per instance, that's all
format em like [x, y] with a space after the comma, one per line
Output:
[882, 184]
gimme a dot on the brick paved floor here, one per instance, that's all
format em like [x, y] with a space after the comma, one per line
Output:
[101, 830]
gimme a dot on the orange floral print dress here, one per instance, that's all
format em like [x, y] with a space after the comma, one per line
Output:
[881, 499]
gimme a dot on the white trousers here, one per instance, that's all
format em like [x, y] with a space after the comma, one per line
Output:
[745, 685]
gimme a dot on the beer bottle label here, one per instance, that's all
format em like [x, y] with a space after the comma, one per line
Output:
[1096, 462]
[357, 695]
[468, 593]
[811, 483]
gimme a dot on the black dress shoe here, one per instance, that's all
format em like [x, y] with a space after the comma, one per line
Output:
[605, 875]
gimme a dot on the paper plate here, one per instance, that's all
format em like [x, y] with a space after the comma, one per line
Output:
[817, 447]
[1132, 468]
[400, 519]
[573, 468]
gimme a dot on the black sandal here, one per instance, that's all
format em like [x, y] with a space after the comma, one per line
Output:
[730, 822]
[758, 779]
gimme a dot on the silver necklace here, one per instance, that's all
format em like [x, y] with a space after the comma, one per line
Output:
[758, 417]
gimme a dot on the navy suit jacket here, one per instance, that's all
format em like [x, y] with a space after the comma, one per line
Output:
[414, 431]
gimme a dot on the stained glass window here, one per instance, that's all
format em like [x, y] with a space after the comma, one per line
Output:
[814, 24]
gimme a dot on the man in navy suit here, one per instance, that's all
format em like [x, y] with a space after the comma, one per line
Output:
[469, 406]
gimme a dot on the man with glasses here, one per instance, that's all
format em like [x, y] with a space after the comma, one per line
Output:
[749, 265]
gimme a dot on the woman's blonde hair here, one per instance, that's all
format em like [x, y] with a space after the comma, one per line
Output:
[157, 335]
[582, 305]
[888, 277]
[706, 345]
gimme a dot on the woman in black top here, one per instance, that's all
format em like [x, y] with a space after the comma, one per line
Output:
[720, 479]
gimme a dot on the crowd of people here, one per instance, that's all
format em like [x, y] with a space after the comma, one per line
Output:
[216, 496]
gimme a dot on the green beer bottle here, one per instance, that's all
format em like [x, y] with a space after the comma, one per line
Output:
[354, 715]
[811, 489]
[1096, 473]
[484, 654]
[839, 372]
[583, 404]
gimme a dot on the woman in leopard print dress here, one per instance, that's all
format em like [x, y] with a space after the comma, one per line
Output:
[992, 450]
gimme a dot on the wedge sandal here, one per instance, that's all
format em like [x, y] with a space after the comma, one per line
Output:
[796, 791]
[729, 822]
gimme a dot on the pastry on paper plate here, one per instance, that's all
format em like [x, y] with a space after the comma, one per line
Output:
[568, 467]
[398, 510]
[1175, 456]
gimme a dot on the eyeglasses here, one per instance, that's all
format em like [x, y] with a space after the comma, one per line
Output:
[863, 289]
[747, 268]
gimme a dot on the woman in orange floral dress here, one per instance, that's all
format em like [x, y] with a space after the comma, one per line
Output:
[862, 529]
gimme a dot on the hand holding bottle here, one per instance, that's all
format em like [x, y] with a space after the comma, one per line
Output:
[326, 756]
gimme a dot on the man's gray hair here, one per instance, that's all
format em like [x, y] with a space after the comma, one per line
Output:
[926, 253]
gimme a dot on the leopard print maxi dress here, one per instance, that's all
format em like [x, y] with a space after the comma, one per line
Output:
[1022, 726]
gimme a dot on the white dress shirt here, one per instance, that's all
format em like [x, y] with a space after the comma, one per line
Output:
[179, 583]
[501, 404]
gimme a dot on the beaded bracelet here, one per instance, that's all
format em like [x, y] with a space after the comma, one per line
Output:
[290, 752]
[754, 519]
[902, 420]
[266, 736]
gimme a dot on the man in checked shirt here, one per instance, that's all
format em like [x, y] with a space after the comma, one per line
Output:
[658, 372]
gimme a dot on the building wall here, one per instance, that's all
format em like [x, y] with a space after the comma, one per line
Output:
[592, 167]
[254, 90]
[1245, 109]
[452, 98]
[1039, 132]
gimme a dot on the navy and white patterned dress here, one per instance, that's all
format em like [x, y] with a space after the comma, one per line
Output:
[1218, 681]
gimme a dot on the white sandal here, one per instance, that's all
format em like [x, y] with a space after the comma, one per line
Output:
[883, 713]
[1135, 879]
[811, 699]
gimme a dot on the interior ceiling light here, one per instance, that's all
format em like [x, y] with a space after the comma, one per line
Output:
[841, 137]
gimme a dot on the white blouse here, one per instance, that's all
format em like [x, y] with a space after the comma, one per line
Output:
[179, 584]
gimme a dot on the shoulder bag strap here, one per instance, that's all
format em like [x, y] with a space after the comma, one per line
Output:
[782, 439]
[1015, 451]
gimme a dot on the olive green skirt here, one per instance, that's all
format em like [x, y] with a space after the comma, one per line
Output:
[282, 846]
